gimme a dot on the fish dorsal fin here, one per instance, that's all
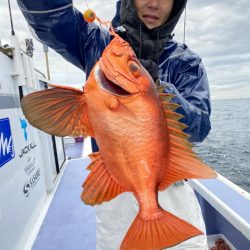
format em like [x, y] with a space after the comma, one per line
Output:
[99, 186]
[183, 163]
[59, 111]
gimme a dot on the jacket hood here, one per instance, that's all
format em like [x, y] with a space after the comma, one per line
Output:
[147, 43]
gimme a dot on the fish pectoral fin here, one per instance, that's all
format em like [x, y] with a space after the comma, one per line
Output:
[184, 164]
[59, 111]
[158, 233]
[99, 186]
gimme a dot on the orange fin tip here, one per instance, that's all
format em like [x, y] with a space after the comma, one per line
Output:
[170, 106]
[178, 133]
[172, 115]
[166, 97]
[176, 124]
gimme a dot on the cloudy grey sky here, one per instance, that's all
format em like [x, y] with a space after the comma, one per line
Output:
[217, 30]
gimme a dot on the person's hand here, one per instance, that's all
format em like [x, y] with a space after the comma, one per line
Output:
[151, 67]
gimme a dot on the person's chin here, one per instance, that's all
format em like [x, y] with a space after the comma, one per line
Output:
[151, 26]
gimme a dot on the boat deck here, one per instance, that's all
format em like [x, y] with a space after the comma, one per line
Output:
[69, 223]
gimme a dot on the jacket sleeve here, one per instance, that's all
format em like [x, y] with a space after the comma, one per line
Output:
[61, 27]
[191, 89]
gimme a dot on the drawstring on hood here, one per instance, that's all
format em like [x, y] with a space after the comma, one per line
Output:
[158, 48]
[147, 43]
[140, 35]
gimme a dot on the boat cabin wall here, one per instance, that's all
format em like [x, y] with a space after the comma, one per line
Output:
[27, 158]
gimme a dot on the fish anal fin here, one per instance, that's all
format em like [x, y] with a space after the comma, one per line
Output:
[165, 231]
[95, 158]
[100, 186]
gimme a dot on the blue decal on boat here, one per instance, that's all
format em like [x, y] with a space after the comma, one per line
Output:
[24, 125]
[6, 142]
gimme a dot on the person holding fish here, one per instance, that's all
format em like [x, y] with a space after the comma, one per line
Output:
[147, 26]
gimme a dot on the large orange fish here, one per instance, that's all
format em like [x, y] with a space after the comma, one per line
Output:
[143, 148]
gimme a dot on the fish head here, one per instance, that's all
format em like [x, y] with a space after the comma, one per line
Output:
[120, 73]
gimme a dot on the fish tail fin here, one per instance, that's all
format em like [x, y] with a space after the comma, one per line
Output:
[164, 231]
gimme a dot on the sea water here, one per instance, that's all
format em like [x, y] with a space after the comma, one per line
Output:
[227, 147]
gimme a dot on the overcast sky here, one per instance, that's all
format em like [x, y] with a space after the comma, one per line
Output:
[217, 30]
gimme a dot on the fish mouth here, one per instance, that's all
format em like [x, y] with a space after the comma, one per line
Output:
[111, 86]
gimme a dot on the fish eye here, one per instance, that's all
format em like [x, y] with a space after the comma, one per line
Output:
[134, 68]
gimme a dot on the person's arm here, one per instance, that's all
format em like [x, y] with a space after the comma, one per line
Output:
[191, 90]
[61, 27]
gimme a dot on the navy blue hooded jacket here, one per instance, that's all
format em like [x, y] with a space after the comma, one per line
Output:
[62, 27]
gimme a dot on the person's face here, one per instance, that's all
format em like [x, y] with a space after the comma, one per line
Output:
[153, 13]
